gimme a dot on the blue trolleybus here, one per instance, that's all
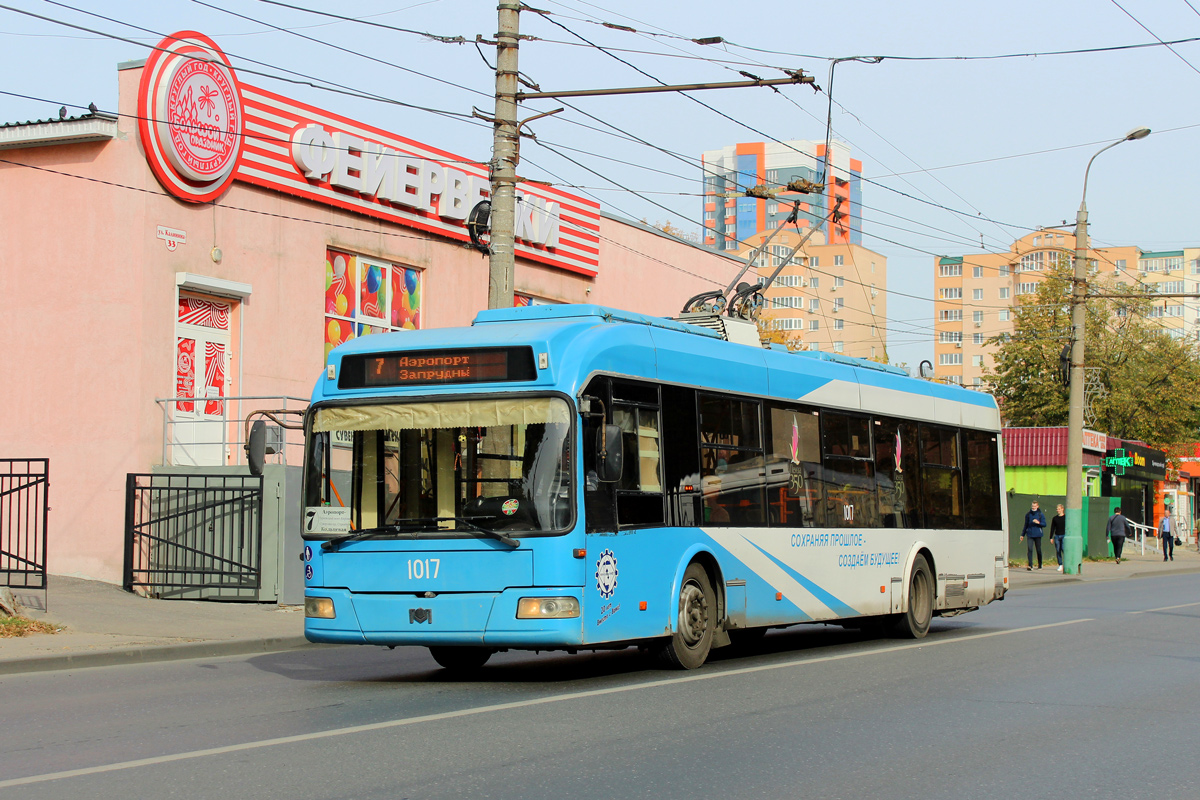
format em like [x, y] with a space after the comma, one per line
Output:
[576, 477]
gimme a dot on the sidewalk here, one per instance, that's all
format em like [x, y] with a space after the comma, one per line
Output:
[104, 625]
[1133, 565]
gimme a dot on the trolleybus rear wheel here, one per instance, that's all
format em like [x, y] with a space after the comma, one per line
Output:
[914, 623]
[461, 659]
[689, 646]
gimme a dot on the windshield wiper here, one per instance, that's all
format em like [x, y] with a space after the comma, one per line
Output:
[410, 526]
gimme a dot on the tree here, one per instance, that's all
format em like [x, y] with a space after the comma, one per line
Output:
[674, 230]
[769, 333]
[1152, 378]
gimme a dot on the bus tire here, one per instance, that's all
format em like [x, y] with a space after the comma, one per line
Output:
[460, 659]
[691, 642]
[914, 623]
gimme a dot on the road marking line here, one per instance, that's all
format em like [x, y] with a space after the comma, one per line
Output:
[469, 712]
[1164, 608]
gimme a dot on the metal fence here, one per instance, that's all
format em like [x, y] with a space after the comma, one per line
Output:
[193, 536]
[24, 511]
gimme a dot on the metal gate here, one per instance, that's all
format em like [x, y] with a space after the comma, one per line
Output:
[193, 536]
[24, 509]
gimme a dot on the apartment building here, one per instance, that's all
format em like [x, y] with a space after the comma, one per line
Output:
[975, 294]
[730, 221]
[830, 297]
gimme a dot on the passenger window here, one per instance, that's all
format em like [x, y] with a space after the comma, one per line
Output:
[794, 495]
[732, 467]
[983, 481]
[849, 472]
[898, 473]
[941, 478]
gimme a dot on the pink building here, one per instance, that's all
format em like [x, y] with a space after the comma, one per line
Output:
[213, 241]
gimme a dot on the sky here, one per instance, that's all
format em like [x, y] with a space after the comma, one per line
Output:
[961, 154]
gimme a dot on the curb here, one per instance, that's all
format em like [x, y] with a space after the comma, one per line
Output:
[148, 655]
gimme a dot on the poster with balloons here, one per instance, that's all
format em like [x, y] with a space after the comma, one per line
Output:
[364, 296]
[406, 298]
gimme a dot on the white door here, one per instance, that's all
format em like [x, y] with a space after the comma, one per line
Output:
[201, 372]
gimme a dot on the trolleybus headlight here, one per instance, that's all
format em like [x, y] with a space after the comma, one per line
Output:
[547, 608]
[319, 607]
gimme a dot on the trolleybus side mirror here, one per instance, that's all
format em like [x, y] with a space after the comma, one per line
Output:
[609, 453]
[256, 447]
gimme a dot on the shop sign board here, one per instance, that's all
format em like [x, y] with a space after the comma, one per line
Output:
[1136, 461]
[202, 129]
[1094, 441]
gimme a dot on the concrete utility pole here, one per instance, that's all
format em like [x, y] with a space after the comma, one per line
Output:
[1073, 541]
[505, 156]
[506, 144]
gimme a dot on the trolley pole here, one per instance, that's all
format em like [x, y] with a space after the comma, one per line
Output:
[505, 156]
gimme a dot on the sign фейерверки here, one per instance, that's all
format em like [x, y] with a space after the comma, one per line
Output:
[202, 129]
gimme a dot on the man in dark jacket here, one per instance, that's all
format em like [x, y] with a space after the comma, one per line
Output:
[1117, 525]
[1035, 523]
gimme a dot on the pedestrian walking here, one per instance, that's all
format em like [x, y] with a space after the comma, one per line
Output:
[1117, 525]
[1167, 538]
[1035, 524]
[1058, 532]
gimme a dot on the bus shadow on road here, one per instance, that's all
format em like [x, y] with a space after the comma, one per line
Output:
[414, 666]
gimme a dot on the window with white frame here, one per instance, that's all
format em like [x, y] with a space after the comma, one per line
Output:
[839, 261]
[949, 337]
[950, 293]
[1026, 288]
[976, 361]
[1004, 315]
[977, 294]
[838, 281]
[772, 207]
[838, 347]
[814, 304]
[1155, 312]
[839, 303]
[1195, 262]
[1174, 311]
[1004, 270]
[839, 324]
[948, 315]
[1170, 287]
[815, 261]
[977, 272]
[950, 270]
[1004, 292]
[789, 281]
[977, 339]
[977, 381]
[1033, 262]
[814, 324]
[977, 317]
[1119, 265]
[955, 379]
[787, 324]
[814, 281]
[950, 359]
[787, 302]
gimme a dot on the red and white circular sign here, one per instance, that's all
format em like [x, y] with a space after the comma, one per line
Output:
[190, 117]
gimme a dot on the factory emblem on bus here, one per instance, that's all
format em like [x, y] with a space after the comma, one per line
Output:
[606, 574]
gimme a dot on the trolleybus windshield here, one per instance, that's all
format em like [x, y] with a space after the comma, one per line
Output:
[501, 463]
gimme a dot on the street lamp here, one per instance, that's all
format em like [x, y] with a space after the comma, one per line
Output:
[1073, 541]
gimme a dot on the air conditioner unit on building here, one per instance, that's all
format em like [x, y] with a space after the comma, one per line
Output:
[958, 345]
[836, 309]
[874, 293]
[803, 283]
[978, 324]
[833, 288]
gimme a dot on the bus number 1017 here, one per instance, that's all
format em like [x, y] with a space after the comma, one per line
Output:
[419, 568]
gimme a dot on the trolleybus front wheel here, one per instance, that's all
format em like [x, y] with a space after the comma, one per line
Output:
[689, 646]
[914, 623]
[461, 659]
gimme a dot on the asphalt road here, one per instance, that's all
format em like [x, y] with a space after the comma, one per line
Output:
[1088, 690]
